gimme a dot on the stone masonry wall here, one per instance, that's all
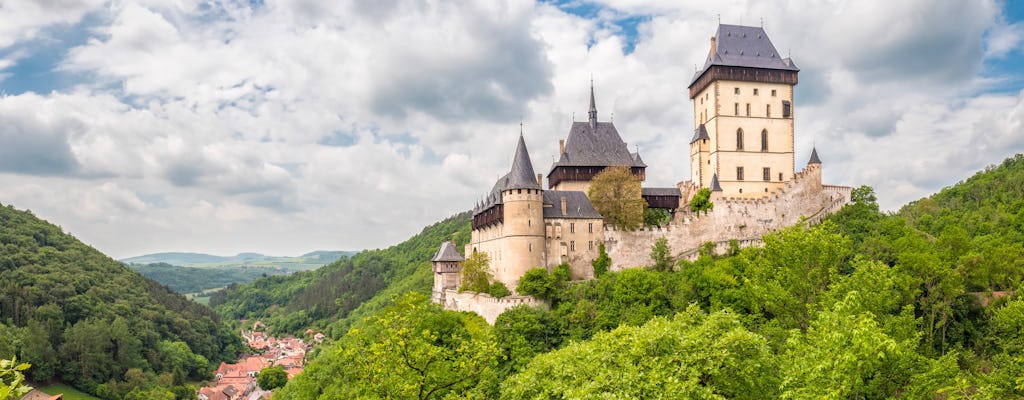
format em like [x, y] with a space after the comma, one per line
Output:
[485, 305]
[746, 220]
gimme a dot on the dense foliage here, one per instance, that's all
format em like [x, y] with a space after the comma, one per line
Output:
[80, 317]
[12, 380]
[617, 196]
[195, 280]
[342, 292]
[865, 305]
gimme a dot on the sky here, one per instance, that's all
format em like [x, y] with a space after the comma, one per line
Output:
[285, 126]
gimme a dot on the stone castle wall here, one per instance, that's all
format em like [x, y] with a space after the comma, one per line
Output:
[747, 220]
[485, 305]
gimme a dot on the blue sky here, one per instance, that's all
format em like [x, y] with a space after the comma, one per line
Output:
[284, 127]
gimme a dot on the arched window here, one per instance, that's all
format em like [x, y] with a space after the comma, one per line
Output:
[764, 140]
[739, 139]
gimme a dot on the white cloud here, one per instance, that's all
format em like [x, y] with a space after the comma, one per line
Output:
[24, 19]
[318, 124]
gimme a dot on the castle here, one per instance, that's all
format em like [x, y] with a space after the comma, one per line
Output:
[743, 124]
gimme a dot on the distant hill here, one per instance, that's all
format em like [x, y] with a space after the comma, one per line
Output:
[341, 292]
[199, 259]
[83, 318]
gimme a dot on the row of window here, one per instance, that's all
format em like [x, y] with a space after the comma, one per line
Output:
[736, 90]
[572, 245]
[786, 109]
[764, 139]
[766, 174]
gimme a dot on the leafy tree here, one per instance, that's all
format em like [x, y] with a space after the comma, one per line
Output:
[656, 216]
[701, 201]
[476, 273]
[524, 332]
[797, 266]
[498, 290]
[617, 196]
[11, 379]
[662, 255]
[413, 350]
[847, 354]
[693, 355]
[602, 262]
[272, 378]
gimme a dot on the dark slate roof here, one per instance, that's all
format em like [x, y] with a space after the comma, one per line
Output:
[521, 175]
[715, 186]
[598, 146]
[577, 205]
[745, 46]
[673, 191]
[814, 157]
[637, 161]
[447, 252]
[700, 133]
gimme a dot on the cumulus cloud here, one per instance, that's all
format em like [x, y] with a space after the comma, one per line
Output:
[289, 125]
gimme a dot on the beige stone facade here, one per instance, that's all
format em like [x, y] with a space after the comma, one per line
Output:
[742, 149]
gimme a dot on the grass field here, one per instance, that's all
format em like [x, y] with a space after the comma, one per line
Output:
[69, 392]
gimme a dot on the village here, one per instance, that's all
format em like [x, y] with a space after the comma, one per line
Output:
[239, 380]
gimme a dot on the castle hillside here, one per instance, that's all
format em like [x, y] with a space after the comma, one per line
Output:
[741, 150]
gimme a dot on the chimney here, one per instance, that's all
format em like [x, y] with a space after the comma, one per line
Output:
[561, 147]
[540, 180]
[563, 206]
[714, 47]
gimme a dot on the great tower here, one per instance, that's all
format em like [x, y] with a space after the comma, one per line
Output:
[743, 115]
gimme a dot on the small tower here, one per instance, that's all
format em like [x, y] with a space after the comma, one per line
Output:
[447, 264]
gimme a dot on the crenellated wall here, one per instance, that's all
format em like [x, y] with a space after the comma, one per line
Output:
[732, 218]
[485, 305]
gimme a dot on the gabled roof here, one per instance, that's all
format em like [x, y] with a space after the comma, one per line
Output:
[744, 46]
[700, 133]
[814, 157]
[577, 205]
[596, 146]
[447, 252]
[672, 191]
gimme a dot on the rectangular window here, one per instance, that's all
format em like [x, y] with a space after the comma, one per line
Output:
[780, 177]
[736, 90]
[773, 92]
[737, 109]
[768, 111]
[739, 173]
[531, 246]
[572, 245]
[755, 92]
[748, 109]
[590, 245]
[787, 109]
[767, 174]
[590, 227]
[572, 227]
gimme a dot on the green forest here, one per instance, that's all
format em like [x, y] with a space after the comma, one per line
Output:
[921, 303]
[80, 317]
[193, 280]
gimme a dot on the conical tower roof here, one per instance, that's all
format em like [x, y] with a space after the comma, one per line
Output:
[715, 186]
[521, 176]
[814, 157]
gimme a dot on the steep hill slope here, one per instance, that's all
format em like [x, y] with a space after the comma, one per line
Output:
[80, 317]
[333, 295]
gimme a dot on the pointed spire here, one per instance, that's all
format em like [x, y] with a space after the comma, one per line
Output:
[593, 105]
[715, 186]
[814, 157]
[521, 176]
